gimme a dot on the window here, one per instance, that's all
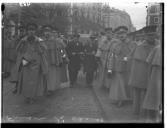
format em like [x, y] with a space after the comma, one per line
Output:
[153, 9]
[156, 20]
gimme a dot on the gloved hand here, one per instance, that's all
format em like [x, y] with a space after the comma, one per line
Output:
[125, 58]
[109, 73]
[24, 62]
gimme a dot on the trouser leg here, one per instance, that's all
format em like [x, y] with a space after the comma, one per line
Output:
[142, 96]
[136, 100]
[89, 77]
[73, 75]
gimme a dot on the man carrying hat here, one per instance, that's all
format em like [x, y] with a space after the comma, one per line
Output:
[31, 65]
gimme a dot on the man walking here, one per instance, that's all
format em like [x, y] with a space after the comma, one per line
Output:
[74, 50]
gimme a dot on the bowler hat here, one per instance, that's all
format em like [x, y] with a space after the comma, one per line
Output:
[31, 26]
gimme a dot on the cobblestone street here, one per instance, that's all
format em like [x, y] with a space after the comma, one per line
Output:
[77, 104]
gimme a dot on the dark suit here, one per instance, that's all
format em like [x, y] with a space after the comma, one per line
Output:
[89, 62]
[74, 48]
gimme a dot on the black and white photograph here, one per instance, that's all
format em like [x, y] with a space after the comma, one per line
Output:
[82, 62]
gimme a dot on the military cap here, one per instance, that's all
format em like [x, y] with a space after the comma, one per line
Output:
[31, 26]
[54, 30]
[21, 27]
[92, 36]
[47, 28]
[76, 35]
[121, 29]
[108, 29]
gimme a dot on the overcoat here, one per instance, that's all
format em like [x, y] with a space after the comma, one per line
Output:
[153, 98]
[31, 77]
[139, 70]
[117, 92]
[57, 72]
[102, 52]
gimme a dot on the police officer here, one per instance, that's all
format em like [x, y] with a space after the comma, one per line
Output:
[74, 50]
[90, 64]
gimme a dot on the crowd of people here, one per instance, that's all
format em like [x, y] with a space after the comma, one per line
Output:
[130, 68]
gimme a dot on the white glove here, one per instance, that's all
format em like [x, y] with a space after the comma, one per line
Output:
[110, 71]
[24, 62]
[125, 58]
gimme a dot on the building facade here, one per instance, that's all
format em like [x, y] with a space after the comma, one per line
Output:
[93, 17]
[154, 14]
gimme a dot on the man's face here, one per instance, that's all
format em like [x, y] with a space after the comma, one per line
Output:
[109, 34]
[22, 32]
[122, 36]
[31, 32]
[47, 34]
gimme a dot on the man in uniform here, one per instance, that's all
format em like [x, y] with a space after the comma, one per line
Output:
[101, 55]
[31, 65]
[118, 67]
[74, 50]
[14, 76]
[138, 79]
[90, 64]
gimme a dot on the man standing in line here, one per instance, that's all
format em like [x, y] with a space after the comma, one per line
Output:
[138, 79]
[118, 67]
[101, 55]
[14, 75]
[31, 65]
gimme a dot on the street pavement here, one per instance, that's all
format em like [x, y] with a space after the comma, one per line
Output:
[77, 104]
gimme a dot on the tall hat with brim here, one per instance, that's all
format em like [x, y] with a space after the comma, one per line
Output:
[31, 26]
[121, 29]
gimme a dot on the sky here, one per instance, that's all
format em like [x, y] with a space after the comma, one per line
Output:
[137, 12]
